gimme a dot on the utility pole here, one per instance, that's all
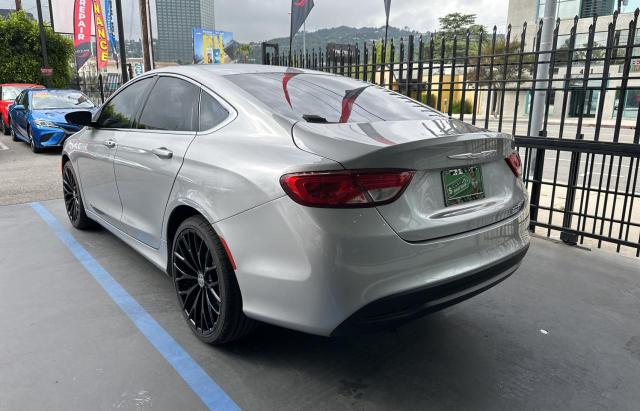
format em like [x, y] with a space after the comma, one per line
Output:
[153, 51]
[18, 5]
[144, 27]
[123, 51]
[43, 40]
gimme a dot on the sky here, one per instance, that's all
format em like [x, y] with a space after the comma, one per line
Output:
[257, 20]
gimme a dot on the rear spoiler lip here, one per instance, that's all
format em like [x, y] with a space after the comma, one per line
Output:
[361, 152]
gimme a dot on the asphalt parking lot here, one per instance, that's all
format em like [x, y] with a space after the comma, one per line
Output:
[86, 323]
[25, 176]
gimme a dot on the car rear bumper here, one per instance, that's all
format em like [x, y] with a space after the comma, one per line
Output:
[323, 271]
[398, 309]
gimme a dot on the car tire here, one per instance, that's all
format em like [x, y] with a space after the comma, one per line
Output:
[14, 137]
[32, 142]
[204, 278]
[73, 199]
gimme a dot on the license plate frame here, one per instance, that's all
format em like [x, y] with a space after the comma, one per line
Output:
[462, 184]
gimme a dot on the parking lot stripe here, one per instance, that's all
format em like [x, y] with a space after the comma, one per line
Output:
[3, 147]
[200, 382]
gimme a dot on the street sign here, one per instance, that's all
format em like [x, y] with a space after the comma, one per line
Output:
[46, 71]
[137, 69]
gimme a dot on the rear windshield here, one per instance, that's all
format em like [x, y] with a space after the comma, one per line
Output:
[334, 99]
[59, 99]
[11, 92]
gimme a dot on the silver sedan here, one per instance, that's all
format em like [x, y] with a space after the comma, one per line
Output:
[297, 198]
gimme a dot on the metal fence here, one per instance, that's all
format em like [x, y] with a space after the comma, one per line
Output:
[98, 87]
[581, 166]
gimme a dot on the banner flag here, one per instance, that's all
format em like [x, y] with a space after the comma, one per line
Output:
[82, 31]
[387, 8]
[300, 9]
[102, 43]
[108, 15]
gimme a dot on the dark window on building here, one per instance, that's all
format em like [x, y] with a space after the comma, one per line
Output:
[121, 110]
[590, 8]
[172, 105]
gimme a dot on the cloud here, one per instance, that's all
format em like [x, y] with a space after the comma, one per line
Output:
[264, 19]
[256, 20]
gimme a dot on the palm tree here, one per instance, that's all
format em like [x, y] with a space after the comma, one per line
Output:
[18, 5]
[245, 50]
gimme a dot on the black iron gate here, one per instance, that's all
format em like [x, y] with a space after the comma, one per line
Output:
[584, 180]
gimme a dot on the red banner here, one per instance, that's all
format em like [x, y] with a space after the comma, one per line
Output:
[101, 36]
[82, 31]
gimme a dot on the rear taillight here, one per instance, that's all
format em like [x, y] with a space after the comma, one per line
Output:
[346, 189]
[514, 163]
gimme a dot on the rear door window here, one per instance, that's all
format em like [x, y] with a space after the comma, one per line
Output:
[172, 105]
[334, 99]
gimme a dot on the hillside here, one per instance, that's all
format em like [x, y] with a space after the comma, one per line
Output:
[340, 35]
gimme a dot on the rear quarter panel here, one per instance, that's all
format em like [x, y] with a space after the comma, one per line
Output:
[238, 167]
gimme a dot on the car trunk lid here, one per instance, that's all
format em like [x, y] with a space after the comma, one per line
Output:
[469, 161]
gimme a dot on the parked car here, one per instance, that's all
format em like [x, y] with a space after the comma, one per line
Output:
[8, 93]
[298, 198]
[37, 116]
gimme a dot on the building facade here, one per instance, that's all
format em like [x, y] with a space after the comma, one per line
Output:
[531, 11]
[176, 20]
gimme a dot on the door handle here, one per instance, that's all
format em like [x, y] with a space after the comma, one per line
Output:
[162, 152]
[109, 143]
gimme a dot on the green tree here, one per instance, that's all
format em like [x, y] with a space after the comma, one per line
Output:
[245, 51]
[458, 24]
[21, 54]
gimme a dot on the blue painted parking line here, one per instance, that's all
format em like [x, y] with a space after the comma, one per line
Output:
[200, 382]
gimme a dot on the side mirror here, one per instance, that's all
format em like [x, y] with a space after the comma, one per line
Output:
[18, 107]
[79, 118]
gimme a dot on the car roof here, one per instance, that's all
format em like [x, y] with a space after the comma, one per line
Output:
[39, 90]
[20, 85]
[221, 70]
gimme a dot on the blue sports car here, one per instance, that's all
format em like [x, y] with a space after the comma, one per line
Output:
[37, 116]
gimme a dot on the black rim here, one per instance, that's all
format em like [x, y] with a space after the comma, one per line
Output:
[197, 282]
[71, 194]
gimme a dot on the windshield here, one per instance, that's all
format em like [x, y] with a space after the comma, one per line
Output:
[332, 99]
[11, 92]
[59, 99]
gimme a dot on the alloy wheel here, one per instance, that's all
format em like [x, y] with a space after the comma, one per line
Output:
[71, 195]
[197, 282]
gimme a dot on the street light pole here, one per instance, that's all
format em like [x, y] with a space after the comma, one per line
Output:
[542, 73]
[123, 51]
[43, 40]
